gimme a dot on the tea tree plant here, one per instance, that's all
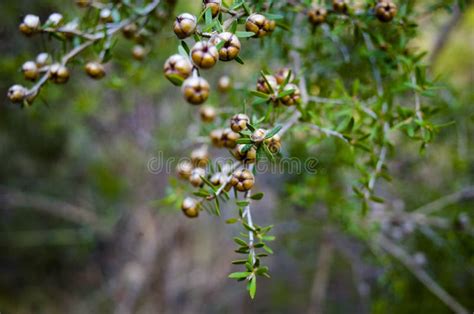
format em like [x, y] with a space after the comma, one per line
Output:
[346, 70]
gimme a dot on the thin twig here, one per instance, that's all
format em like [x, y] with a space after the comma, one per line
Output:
[443, 202]
[342, 48]
[403, 257]
[248, 215]
[328, 132]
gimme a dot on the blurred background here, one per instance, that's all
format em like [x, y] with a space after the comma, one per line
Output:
[81, 230]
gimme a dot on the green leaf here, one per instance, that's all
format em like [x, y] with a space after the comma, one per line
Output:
[185, 46]
[286, 93]
[240, 242]
[242, 203]
[231, 221]
[257, 196]
[241, 34]
[238, 275]
[260, 94]
[208, 16]
[239, 60]
[244, 140]
[274, 131]
[252, 287]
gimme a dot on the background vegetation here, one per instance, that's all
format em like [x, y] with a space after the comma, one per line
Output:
[81, 230]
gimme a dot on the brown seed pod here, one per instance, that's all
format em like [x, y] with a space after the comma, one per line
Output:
[258, 136]
[17, 93]
[177, 68]
[207, 113]
[243, 180]
[196, 177]
[130, 30]
[273, 143]
[195, 90]
[293, 98]
[83, 3]
[185, 25]
[214, 5]
[239, 122]
[229, 138]
[30, 25]
[105, 16]
[231, 48]
[317, 15]
[269, 26]
[244, 153]
[43, 59]
[95, 70]
[58, 73]
[200, 157]
[216, 137]
[224, 84]
[282, 74]
[340, 6]
[30, 70]
[218, 178]
[204, 54]
[190, 207]
[263, 86]
[184, 169]
[257, 23]
[138, 52]
[385, 10]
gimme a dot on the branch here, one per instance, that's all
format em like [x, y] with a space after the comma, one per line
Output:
[248, 214]
[52, 206]
[321, 277]
[465, 194]
[328, 132]
[92, 39]
[403, 257]
[444, 34]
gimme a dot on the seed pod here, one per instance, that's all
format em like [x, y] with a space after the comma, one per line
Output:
[58, 73]
[207, 113]
[256, 24]
[200, 157]
[95, 70]
[229, 138]
[138, 52]
[30, 25]
[218, 178]
[340, 6]
[245, 154]
[293, 98]
[195, 90]
[105, 15]
[258, 136]
[239, 122]
[216, 137]
[184, 25]
[282, 74]
[17, 93]
[69, 28]
[214, 5]
[190, 207]
[83, 3]
[43, 59]
[231, 48]
[177, 68]
[269, 26]
[129, 30]
[196, 177]
[30, 70]
[273, 143]
[224, 84]
[55, 20]
[262, 85]
[385, 10]
[317, 15]
[242, 180]
[204, 54]
[184, 169]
